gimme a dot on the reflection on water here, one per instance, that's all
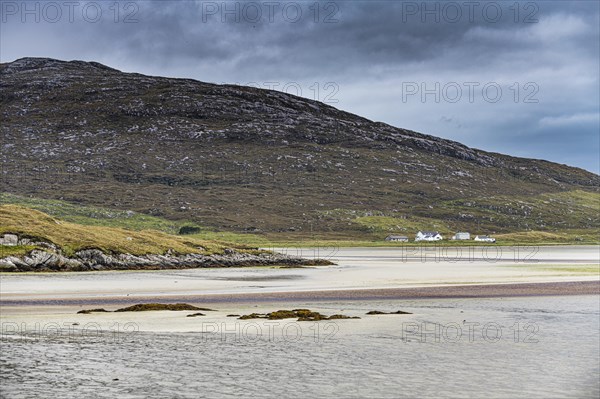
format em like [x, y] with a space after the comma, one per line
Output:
[378, 357]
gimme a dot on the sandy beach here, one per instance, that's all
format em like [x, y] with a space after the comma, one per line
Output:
[359, 274]
[509, 319]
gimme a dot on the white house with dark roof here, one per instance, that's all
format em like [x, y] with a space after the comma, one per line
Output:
[428, 236]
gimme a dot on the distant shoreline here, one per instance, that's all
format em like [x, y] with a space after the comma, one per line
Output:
[410, 293]
[420, 244]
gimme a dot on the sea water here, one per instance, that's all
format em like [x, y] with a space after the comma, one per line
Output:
[534, 347]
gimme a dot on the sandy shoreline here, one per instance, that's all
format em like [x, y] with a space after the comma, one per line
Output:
[360, 274]
[434, 292]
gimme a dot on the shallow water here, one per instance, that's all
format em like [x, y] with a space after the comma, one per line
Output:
[556, 353]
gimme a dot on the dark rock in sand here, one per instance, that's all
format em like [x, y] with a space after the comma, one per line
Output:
[161, 306]
[196, 315]
[88, 311]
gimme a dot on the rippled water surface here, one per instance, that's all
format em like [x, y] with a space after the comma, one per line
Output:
[555, 354]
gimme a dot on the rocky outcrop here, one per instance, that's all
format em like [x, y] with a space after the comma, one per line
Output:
[12, 240]
[9, 240]
[39, 260]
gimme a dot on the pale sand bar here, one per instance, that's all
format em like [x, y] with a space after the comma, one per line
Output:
[360, 273]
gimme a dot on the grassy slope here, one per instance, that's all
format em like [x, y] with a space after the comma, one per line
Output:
[72, 237]
[578, 211]
[93, 216]
[572, 207]
[97, 216]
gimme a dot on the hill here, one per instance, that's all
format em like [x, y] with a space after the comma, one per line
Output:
[243, 159]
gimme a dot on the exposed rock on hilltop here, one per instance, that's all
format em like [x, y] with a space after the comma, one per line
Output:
[246, 159]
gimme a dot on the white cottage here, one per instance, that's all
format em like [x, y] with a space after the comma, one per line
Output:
[461, 236]
[428, 236]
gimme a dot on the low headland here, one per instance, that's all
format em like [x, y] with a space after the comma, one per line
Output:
[42, 235]
[32, 241]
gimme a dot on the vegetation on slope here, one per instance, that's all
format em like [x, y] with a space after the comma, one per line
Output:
[240, 159]
[576, 208]
[552, 213]
[72, 237]
[93, 216]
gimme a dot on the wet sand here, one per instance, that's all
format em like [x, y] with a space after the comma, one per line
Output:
[435, 292]
[470, 346]
[501, 328]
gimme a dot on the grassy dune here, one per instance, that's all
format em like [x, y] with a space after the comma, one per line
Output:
[71, 237]
[93, 216]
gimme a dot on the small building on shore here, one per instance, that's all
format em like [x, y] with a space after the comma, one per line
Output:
[462, 235]
[428, 236]
[396, 238]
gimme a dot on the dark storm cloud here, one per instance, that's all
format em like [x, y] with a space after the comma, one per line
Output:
[371, 51]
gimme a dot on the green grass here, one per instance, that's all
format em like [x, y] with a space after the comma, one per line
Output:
[408, 226]
[571, 217]
[15, 250]
[373, 226]
[577, 237]
[94, 216]
[240, 238]
[386, 244]
[568, 210]
[71, 237]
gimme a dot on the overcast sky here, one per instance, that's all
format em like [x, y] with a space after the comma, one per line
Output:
[517, 78]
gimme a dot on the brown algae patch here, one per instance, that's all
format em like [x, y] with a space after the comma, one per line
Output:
[300, 314]
[143, 307]
[161, 306]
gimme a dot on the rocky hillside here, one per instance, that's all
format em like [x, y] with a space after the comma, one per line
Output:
[245, 159]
